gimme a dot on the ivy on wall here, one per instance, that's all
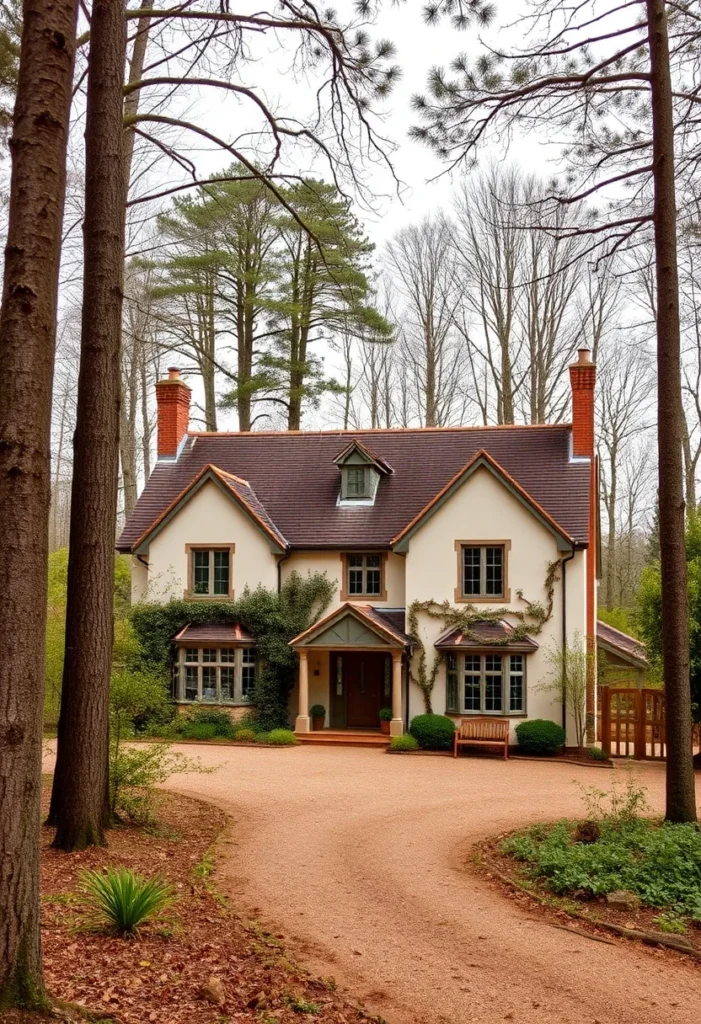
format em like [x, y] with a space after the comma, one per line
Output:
[273, 618]
[531, 620]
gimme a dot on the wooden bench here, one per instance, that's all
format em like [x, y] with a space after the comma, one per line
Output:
[482, 732]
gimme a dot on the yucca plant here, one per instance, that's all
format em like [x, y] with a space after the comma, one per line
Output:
[123, 900]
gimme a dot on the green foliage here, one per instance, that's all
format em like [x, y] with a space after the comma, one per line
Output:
[539, 736]
[282, 738]
[260, 737]
[570, 670]
[385, 714]
[274, 618]
[622, 619]
[402, 744]
[596, 754]
[650, 608]
[317, 711]
[205, 723]
[670, 922]
[198, 731]
[143, 768]
[433, 732]
[530, 622]
[137, 698]
[123, 900]
[661, 863]
[245, 736]
[10, 39]
[124, 646]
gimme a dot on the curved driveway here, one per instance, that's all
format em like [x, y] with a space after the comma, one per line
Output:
[358, 859]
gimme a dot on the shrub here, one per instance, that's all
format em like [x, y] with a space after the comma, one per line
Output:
[596, 754]
[659, 863]
[199, 731]
[123, 900]
[402, 744]
[433, 732]
[385, 714]
[143, 768]
[282, 738]
[260, 737]
[212, 716]
[317, 711]
[245, 736]
[540, 736]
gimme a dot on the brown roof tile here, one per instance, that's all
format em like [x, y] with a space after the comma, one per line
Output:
[626, 646]
[297, 483]
[216, 634]
[485, 634]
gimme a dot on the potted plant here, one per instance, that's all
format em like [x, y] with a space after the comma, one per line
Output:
[385, 719]
[318, 716]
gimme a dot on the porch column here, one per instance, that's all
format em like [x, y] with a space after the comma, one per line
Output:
[302, 722]
[396, 726]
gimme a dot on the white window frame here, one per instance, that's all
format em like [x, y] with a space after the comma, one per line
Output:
[241, 659]
[455, 677]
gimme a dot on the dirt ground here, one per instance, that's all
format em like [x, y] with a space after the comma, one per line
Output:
[362, 861]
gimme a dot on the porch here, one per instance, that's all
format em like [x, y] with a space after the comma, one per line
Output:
[352, 664]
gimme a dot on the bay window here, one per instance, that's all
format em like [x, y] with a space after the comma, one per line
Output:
[486, 684]
[216, 675]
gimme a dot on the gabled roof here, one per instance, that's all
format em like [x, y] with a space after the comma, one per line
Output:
[293, 480]
[485, 634]
[233, 487]
[621, 644]
[371, 457]
[372, 618]
[481, 459]
[214, 634]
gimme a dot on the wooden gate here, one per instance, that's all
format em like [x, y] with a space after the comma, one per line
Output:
[632, 722]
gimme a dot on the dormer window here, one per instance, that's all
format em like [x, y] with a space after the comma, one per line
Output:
[361, 472]
[357, 480]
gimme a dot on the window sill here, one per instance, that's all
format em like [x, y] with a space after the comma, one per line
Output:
[188, 596]
[460, 598]
[486, 714]
[216, 703]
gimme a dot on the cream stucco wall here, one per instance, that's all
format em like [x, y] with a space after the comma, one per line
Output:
[483, 509]
[329, 562]
[209, 517]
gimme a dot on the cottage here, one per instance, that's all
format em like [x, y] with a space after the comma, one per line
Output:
[462, 557]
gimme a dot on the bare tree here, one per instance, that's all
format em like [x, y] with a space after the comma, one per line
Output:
[623, 389]
[27, 344]
[421, 264]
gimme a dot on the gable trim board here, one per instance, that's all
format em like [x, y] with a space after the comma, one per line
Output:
[226, 482]
[333, 631]
[482, 459]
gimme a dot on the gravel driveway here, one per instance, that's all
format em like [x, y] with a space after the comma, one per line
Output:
[358, 859]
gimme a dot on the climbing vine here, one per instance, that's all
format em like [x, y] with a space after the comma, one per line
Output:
[273, 617]
[531, 620]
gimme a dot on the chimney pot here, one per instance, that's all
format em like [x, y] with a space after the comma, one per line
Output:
[173, 401]
[584, 356]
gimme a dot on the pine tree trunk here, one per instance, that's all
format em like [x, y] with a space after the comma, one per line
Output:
[27, 347]
[681, 804]
[80, 799]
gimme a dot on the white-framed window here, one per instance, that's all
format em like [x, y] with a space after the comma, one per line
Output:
[364, 575]
[217, 675]
[486, 684]
[483, 570]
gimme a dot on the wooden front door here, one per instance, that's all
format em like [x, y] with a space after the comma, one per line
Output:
[364, 679]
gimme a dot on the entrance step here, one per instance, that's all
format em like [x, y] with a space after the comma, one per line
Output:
[344, 738]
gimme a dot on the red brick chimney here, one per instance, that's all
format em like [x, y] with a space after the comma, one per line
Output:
[583, 381]
[173, 400]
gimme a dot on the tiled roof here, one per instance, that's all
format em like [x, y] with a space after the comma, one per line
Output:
[392, 619]
[627, 647]
[485, 634]
[296, 482]
[216, 634]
